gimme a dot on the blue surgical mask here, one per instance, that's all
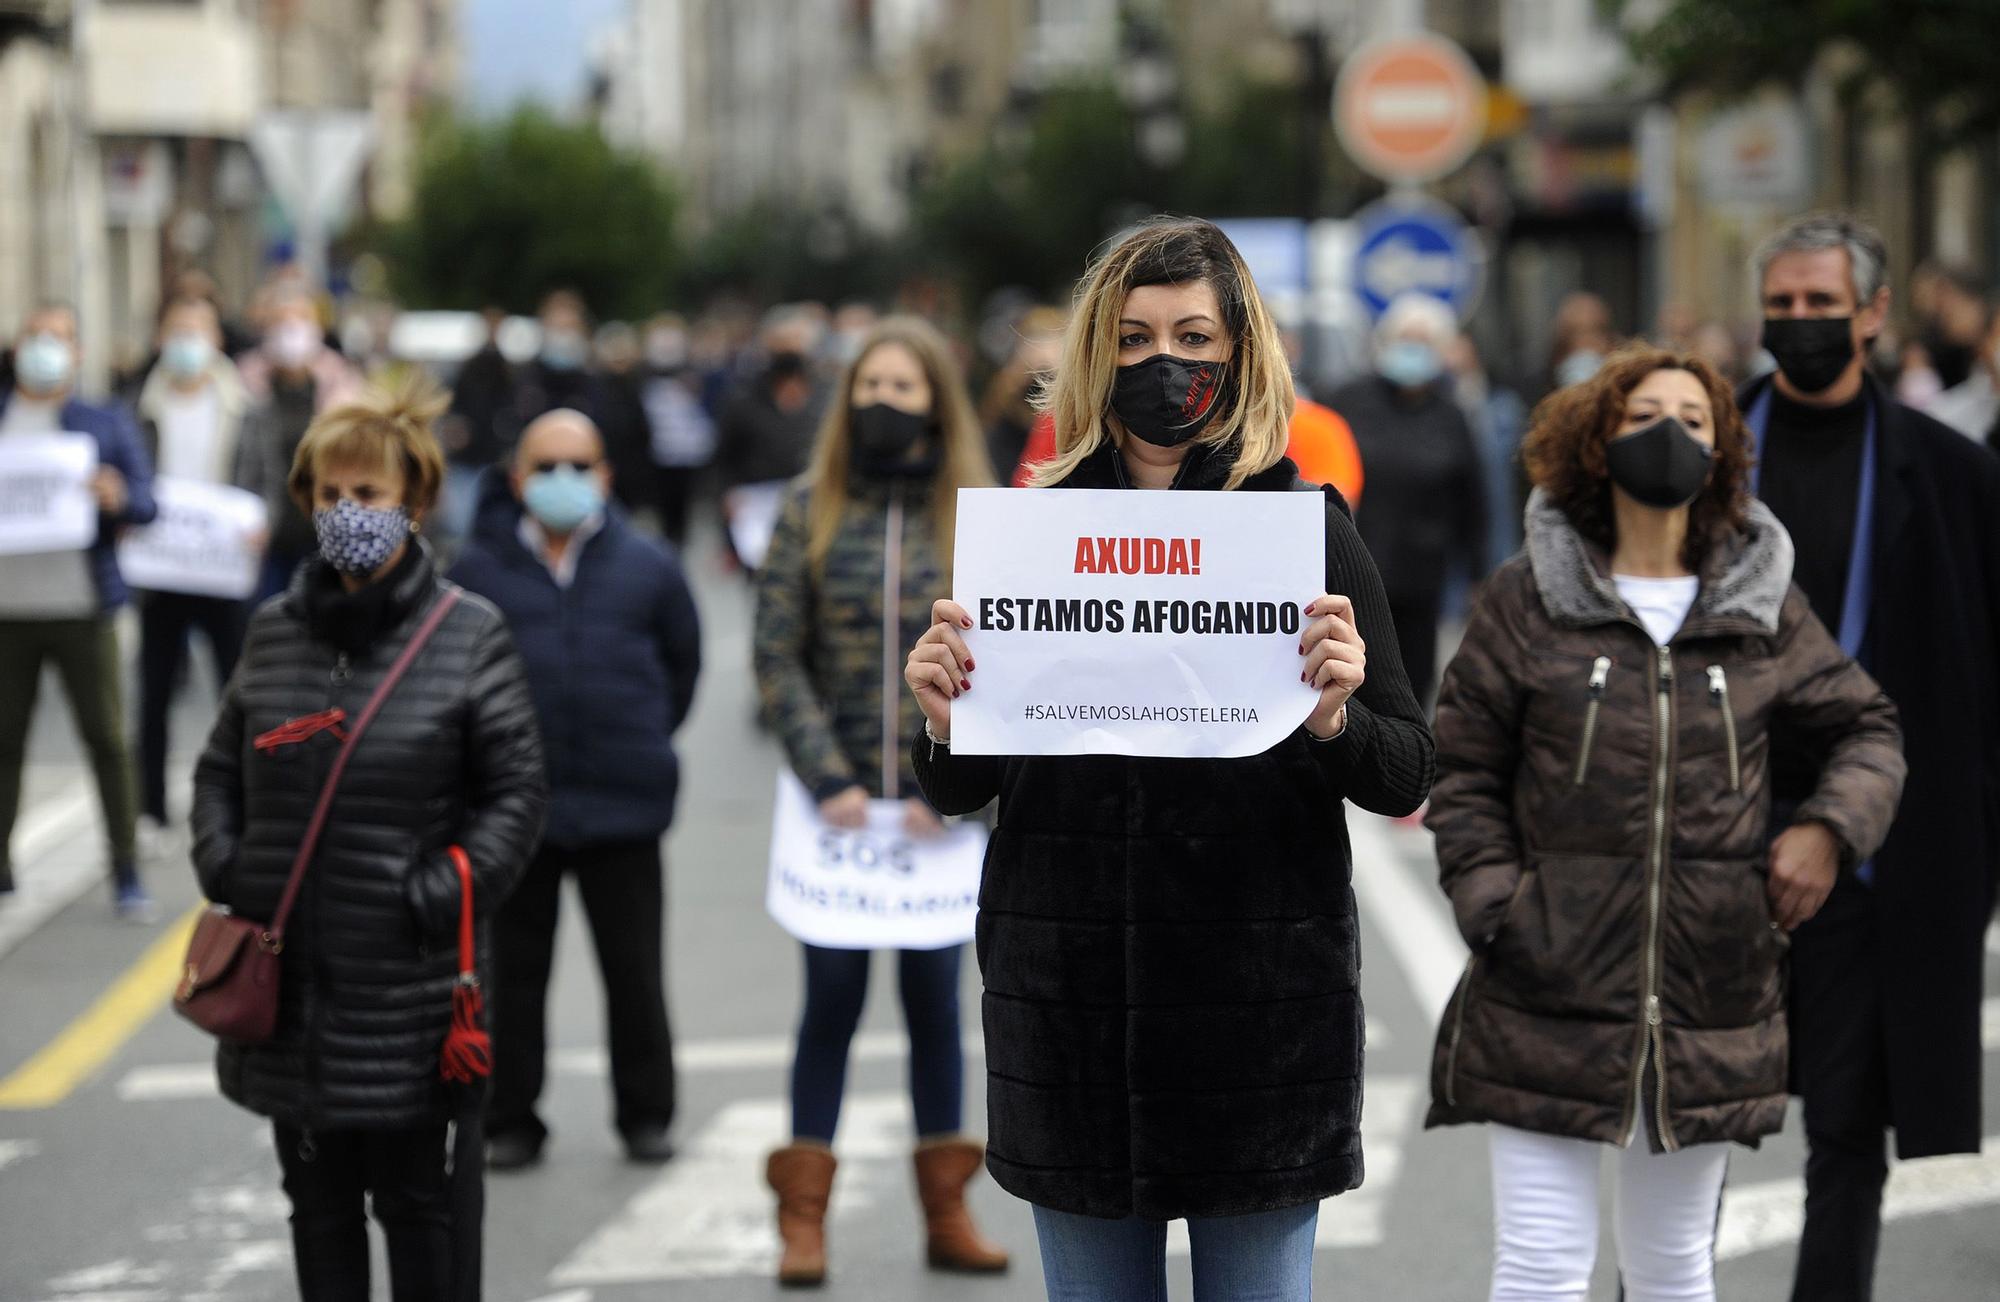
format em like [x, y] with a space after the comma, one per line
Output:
[563, 498]
[564, 350]
[1409, 363]
[186, 356]
[1578, 367]
[358, 540]
[44, 363]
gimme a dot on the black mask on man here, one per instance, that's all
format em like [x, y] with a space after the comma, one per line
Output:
[1661, 465]
[1167, 400]
[883, 435]
[1812, 351]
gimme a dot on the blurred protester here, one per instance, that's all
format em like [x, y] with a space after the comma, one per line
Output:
[1951, 320]
[194, 282]
[1169, 1036]
[1973, 405]
[766, 433]
[1583, 336]
[862, 546]
[850, 325]
[191, 412]
[622, 368]
[1917, 383]
[1008, 409]
[607, 629]
[563, 376]
[292, 378]
[478, 430]
[1426, 513]
[1717, 345]
[351, 1078]
[683, 433]
[56, 607]
[1675, 327]
[1602, 831]
[1497, 418]
[1897, 523]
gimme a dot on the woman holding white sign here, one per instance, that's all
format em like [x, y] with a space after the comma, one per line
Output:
[1173, 1024]
[862, 544]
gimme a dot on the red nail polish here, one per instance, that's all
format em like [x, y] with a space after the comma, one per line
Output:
[969, 666]
[965, 684]
[966, 622]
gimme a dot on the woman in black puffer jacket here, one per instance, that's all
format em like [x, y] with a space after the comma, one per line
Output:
[351, 1077]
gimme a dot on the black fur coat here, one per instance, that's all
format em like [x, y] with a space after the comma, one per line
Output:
[1169, 947]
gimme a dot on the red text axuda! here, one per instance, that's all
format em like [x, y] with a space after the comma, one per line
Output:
[1138, 556]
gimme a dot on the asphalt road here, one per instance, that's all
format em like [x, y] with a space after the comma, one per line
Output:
[128, 1180]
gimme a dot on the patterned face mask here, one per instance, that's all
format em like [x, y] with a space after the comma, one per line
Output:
[357, 539]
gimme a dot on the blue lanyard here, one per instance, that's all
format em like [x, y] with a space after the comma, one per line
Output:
[1860, 557]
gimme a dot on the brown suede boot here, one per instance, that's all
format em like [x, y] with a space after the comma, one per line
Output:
[944, 1168]
[801, 1174]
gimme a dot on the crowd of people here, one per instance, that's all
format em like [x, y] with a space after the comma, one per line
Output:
[1712, 773]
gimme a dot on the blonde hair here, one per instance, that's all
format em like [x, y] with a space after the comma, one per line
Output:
[1171, 251]
[389, 424]
[962, 459]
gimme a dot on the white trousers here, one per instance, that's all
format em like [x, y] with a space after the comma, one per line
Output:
[1545, 1218]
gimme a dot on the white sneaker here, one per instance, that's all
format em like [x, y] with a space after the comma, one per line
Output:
[155, 839]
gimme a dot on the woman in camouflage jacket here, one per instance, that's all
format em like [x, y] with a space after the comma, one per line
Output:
[1603, 816]
[861, 549]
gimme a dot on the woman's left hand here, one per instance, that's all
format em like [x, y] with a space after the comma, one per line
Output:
[1336, 661]
[920, 821]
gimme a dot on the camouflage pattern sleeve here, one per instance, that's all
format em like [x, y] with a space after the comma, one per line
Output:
[786, 627]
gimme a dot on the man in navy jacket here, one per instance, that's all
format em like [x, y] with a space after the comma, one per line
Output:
[604, 620]
[56, 607]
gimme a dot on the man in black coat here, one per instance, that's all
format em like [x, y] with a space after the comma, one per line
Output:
[1425, 514]
[607, 628]
[1896, 519]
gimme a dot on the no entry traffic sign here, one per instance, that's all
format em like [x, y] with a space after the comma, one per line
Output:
[1409, 108]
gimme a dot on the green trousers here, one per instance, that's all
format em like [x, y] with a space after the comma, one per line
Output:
[85, 654]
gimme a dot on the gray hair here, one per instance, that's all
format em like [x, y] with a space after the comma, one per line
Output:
[1867, 255]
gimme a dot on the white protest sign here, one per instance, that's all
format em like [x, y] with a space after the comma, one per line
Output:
[202, 542]
[45, 500]
[1119, 622]
[878, 888]
[753, 511]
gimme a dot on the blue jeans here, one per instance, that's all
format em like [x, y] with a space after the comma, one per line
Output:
[1266, 1257]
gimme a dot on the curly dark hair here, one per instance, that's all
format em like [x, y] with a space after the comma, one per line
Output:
[1564, 449]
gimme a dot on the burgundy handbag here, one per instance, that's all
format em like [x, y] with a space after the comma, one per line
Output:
[229, 986]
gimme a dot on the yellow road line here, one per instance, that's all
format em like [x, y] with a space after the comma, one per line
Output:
[102, 1029]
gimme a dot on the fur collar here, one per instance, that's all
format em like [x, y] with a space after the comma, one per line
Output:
[1745, 576]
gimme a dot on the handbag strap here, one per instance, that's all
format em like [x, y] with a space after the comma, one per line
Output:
[274, 935]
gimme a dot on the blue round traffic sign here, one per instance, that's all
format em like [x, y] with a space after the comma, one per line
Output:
[1407, 245]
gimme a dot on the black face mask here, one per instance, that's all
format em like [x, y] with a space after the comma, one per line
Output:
[1812, 351]
[1661, 465]
[1168, 400]
[884, 435]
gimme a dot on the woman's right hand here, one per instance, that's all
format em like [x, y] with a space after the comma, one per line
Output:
[940, 668]
[847, 808]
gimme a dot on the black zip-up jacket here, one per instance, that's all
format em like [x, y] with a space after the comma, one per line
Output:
[371, 950]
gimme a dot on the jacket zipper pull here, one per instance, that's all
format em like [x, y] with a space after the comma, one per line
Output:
[1600, 675]
[1718, 691]
[1653, 1013]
